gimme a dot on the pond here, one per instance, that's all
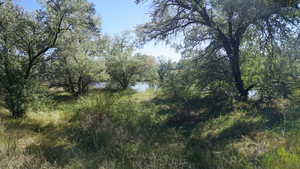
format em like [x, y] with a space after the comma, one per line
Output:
[140, 86]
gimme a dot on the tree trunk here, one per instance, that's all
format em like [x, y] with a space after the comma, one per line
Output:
[124, 85]
[16, 102]
[18, 114]
[236, 72]
[124, 82]
[82, 86]
[234, 58]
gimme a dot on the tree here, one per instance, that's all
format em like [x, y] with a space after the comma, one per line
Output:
[126, 68]
[211, 27]
[177, 79]
[77, 62]
[27, 39]
[164, 69]
[274, 70]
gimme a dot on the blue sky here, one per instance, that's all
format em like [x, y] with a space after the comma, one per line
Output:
[119, 16]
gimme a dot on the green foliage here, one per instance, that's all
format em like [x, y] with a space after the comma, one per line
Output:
[41, 99]
[126, 130]
[192, 121]
[178, 80]
[77, 62]
[126, 68]
[187, 80]
[164, 69]
[214, 27]
[281, 159]
[26, 39]
[273, 70]
[295, 86]
[121, 132]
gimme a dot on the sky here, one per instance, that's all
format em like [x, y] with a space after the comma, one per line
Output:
[119, 16]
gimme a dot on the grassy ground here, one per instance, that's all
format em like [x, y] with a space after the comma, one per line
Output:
[129, 130]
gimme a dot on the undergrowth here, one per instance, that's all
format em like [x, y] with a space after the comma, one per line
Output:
[124, 130]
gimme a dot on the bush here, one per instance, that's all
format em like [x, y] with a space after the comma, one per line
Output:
[16, 98]
[122, 134]
[41, 100]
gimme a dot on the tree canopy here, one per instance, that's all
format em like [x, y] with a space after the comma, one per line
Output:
[126, 67]
[77, 61]
[27, 38]
[212, 27]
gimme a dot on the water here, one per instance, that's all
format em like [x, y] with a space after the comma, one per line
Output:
[140, 86]
[144, 86]
[99, 85]
[253, 94]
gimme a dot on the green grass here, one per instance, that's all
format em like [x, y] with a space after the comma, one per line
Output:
[130, 130]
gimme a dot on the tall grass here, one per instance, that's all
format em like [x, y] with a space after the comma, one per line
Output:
[114, 128]
[125, 130]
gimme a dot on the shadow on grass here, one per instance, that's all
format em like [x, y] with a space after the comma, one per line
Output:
[53, 146]
[61, 96]
[50, 141]
[5, 116]
[62, 144]
[237, 131]
[29, 125]
[122, 92]
[204, 151]
[187, 114]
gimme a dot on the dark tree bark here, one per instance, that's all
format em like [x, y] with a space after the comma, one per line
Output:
[234, 59]
[124, 83]
[236, 73]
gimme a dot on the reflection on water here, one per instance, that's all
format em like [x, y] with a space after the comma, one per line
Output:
[140, 86]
